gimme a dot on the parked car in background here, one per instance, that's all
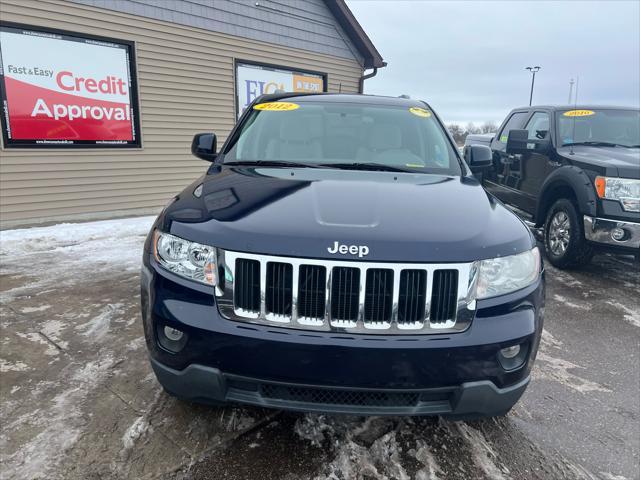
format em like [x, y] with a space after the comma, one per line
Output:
[572, 171]
[339, 256]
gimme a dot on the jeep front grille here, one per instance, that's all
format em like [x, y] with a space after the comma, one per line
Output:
[344, 296]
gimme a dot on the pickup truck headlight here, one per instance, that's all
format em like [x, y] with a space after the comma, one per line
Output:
[624, 190]
[187, 259]
[498, 276]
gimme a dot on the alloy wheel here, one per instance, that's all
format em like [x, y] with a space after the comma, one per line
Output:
[559, 233]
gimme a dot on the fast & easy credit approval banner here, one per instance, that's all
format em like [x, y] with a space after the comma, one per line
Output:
[63, 90]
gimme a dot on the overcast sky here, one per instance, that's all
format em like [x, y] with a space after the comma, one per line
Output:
[468, 58]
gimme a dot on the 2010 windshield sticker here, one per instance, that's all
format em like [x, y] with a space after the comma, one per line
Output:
[579, 113]
[277, 106]
[420, 112]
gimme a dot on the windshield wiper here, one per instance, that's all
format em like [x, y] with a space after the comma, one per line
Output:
[595, 144]
[372, 166]
[271, 163]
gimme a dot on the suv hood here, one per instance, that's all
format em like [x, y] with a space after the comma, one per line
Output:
[618, 161]
[303, 212]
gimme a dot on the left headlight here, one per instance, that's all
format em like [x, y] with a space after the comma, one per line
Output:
[498, 276]
[188, 259]
[624, 190]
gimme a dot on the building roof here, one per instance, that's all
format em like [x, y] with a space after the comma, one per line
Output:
[357, 35]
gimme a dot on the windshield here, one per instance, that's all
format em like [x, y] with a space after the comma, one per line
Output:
[606, 126]
[345, 135]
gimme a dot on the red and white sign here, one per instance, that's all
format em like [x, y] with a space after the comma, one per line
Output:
[65, 90]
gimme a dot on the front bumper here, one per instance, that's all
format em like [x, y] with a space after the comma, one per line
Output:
[230, 361]
[598, 230]
[205, 384]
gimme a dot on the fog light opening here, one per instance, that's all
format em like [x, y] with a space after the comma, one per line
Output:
[510, 352]
[513, 357]
[618, 234]
[173, 334]
[171, 339]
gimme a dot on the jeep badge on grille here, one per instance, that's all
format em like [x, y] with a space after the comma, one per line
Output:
[360, 250]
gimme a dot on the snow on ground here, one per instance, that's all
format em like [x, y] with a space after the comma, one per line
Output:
[91, 237]
[62, 254]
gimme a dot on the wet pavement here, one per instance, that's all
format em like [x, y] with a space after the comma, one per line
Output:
[79, 400]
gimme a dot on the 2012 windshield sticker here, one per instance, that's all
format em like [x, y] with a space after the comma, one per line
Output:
[277, 106]
[420, 112]
[579, 113]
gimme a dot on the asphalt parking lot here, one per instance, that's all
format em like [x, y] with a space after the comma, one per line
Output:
[79, 400]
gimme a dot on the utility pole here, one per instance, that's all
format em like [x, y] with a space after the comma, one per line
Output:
[571, 82]
[533, 71]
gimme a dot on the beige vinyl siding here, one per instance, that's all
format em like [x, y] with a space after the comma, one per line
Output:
[186, 85]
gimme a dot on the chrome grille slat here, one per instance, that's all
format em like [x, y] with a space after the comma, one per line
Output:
[445, 300]
[378, 298]
[412, 305]
[279, 292]
[311, 301]
[346, 296]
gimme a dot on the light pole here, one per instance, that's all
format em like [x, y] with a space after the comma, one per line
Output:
[533, 70]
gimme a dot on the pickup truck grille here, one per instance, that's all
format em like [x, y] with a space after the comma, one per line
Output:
[343, 296]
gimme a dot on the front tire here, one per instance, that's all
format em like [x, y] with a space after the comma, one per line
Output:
[564, 239]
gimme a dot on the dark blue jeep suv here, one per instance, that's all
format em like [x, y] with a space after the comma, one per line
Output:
[338, 256]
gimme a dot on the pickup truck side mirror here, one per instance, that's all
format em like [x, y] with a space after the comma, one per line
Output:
[478, 157]
[517, 141]
[204, 146]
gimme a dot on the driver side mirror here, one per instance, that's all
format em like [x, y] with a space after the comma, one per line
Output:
[478, 157]
[204, 146]
[517, 141]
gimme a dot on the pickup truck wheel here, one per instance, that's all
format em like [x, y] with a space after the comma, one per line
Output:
[564, 239]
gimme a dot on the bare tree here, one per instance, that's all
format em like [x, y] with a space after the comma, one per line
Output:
[457, 132]
[460, 133]
[488, 127]
[471, 128]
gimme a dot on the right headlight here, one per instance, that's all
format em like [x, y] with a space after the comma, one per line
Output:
[498, 276]
[188, 259]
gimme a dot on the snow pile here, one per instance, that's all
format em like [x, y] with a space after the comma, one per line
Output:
[67, 253]
[87, 238]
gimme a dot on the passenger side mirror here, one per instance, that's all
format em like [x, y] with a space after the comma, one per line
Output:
[478, 157]
[204, 146]
[517, 141]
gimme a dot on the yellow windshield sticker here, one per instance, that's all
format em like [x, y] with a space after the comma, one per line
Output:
[420, 112]
[579, 113]
[276, 106]
[414, 165]
[504, 139]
